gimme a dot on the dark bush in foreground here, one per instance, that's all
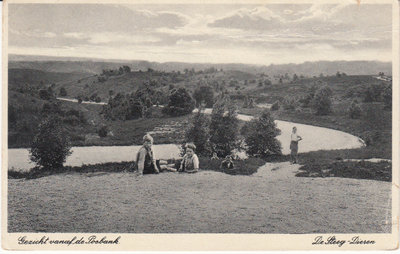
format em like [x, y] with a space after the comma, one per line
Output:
[381, 171]
[50, 146]
[111, 167]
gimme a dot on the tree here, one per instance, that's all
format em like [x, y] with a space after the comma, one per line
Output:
[224, 127]
[295, 77]
[180, 103]
[204, 94]
[127, 69]
[354, 110]
[45, 94]
[260, 136]
[322, 101]
[198, 133]
[135, 110]
[50, 146]
[275, 106]
[63, 92]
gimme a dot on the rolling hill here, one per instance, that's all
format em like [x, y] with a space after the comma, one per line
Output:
[85, 65]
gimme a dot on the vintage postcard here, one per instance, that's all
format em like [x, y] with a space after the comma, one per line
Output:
[200, 125]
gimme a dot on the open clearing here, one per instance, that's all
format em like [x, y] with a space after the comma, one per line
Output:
[271, 201]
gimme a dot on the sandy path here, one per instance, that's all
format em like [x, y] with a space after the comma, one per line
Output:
[314, 138]
[271, 201]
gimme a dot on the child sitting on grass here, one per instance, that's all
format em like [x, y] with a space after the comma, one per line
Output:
[190, 161]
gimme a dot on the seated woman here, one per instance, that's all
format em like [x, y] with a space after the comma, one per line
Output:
[190, 161]
[145, 161]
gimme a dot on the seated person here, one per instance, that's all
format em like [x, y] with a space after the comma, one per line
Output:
[214, 156]
[227, 163]
[145, 161]
[190, 161]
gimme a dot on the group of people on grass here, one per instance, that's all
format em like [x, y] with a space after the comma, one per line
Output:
[146, 163]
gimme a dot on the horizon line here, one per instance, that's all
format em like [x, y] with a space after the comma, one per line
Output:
[93, 59]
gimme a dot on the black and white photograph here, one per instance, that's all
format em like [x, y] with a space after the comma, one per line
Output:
[185, 119]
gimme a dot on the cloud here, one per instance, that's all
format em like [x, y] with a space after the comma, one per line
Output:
[250, 33]
[87, 18]
[112, 37]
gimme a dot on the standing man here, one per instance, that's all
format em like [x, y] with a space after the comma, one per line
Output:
[294, 146]
[145, 161]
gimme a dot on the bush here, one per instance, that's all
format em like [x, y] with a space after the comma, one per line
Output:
[45, 94]
[354, 110]
[373, 93]
[204, 94]
[198, 133]
[387, 96]
[50, 146]
[63, 92]
[103, 131]
[289, 103]
[180, 103]
[123, 107]
[322, 101]
[275, 106]
[224, 127]
[260, 136]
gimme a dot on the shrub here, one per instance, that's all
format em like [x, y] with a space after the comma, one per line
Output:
[373, 93]
[198, 133]
[224, 127]
[289, 103]
[103, 131]
[387, 96]
[275, 106]
[180, 103]
[45, 94]
[50, 146]
[63, 92]
[322, 101]
[123, 107]
[260, 136]
[204, 94]
[135, 110]
[354, 110]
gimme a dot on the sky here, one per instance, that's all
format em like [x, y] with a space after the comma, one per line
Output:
[213, 33]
